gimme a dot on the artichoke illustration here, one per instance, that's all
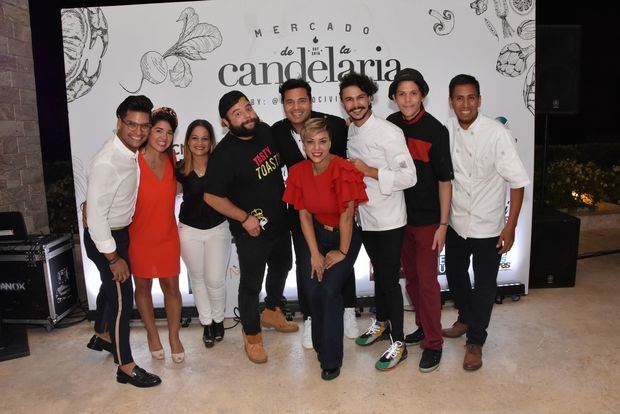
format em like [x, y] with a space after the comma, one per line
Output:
[512, 59]
[81, 29]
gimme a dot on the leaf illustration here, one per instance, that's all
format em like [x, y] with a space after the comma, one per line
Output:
[202, 40]
[196, 39]
[181, 73]
[190, 21]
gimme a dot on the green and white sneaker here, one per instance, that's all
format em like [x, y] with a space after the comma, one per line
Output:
[378, 330]
[395, 354]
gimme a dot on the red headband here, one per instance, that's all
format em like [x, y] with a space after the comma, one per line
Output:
[168, 111]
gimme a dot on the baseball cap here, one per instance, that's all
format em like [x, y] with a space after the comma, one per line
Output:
[228, 100]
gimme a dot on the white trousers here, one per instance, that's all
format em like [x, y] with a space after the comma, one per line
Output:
[206, 254]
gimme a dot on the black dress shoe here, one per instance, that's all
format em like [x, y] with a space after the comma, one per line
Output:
[207, 336]
[138, 378]
[330, 374]
[98, 344]
[218, 330]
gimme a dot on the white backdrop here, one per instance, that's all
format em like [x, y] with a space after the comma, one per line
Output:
[186, 55]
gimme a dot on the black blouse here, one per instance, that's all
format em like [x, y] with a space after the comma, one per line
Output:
[194, 211]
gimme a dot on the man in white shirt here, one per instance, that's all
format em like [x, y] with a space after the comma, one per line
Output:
[377, 148]
[111, 199]
[485, 161]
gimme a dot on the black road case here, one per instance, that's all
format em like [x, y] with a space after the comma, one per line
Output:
[37, 280]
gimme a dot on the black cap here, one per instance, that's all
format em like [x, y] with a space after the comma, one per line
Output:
[408, 74]
[228, 100]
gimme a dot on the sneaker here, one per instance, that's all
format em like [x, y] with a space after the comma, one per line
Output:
[306, 336]
[415, 338]
[430, 360]
[274, 318]
[351, 330]
[395, 354]
[376, 331]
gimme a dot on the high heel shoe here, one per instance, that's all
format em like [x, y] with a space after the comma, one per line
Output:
[208, 336]
[218, 331]
[178, 358]
[159, 354]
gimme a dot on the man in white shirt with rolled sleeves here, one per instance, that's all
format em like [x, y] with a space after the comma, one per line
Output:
[485, 161]
[377, 148]
[111, 198]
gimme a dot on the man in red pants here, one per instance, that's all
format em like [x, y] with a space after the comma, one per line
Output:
[428, 206]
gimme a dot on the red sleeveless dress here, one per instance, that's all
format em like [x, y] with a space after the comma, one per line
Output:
[154, 247]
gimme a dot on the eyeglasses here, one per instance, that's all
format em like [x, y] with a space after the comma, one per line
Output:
[133, 126]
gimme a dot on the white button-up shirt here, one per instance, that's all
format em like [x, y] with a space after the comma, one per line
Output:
[381, 144]
[485, 161]
[112, 190]
[300, 144]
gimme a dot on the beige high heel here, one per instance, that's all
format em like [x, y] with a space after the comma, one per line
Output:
[178, 358]
[159, 354]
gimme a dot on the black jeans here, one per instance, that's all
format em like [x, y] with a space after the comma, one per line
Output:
[326, 297]
[302, 271]
[474, 304]
[254, 254]
[117, 297]
[384, 248]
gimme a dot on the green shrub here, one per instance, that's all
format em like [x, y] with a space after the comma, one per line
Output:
[576, 185]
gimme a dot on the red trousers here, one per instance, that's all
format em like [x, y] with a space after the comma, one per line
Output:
[419, 262]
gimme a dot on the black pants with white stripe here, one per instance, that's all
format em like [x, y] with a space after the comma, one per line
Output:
[119, 296]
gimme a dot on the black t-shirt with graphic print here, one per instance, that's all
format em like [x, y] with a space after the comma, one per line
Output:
[248, 173]
[429, 144]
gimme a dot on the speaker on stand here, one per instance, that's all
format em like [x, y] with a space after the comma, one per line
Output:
[555, 235]
[558, 78]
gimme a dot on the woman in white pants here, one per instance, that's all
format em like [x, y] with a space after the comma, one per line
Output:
[205, 238]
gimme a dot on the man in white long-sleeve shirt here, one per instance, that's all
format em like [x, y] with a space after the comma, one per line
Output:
[377, 148]
[111, 199]
[486, 162]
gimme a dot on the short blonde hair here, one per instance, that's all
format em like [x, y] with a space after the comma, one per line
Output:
[313, 126]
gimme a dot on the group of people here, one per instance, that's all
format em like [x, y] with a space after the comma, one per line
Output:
[402, 187]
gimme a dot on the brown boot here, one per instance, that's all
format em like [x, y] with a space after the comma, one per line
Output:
[473, 357]
[457, 329]
[275, 319]
[254, 348]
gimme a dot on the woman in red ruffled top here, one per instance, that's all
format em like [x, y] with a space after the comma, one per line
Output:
[326, 189]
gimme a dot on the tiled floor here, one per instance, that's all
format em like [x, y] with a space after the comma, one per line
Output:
[555, 350]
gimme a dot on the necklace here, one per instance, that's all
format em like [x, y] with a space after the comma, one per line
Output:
[153, 163]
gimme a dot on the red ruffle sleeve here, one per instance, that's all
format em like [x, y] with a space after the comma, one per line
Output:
[293, 192]
[348, 184]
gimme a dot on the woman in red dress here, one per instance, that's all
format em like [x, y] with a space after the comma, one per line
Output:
[326, 189]
[154, 250]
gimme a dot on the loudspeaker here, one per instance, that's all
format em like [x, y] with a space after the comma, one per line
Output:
[555, 242]
[558, 69]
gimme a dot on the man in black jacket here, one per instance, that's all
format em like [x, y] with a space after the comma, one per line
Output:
[297, 104]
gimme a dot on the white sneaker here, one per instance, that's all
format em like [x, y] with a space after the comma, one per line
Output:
[351, 330]
[306, 336]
